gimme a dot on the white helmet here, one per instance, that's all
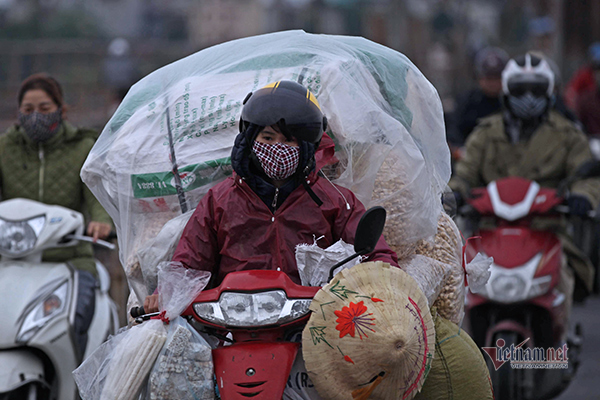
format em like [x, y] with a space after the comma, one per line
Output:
[527, 73]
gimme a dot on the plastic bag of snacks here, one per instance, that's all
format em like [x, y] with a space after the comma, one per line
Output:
[184, 368]
[447, 249]
[430, 274]
[119, 368]
[385, 117]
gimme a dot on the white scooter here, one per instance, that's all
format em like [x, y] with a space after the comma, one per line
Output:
[38, 348]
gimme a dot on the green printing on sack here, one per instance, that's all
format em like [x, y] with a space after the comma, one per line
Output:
[159, 184]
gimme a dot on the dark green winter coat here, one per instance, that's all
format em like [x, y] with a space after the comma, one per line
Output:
[554, 152]
[49, 173]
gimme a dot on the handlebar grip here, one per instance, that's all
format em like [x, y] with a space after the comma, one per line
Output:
[137, 312]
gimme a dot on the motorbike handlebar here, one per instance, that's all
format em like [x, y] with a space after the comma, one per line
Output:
[89, 239]
[565, 210]
[137, 312]
[468, 210]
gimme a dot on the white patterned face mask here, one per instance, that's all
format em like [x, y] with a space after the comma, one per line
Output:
[278, 160]
[41, 127]
[527, 106]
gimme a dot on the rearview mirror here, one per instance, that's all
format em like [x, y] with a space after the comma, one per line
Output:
[369, 230]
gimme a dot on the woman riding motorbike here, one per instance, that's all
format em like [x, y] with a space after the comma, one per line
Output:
[276, 198]
[40, 159]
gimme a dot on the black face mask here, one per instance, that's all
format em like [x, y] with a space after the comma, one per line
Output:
[41, 127]
[527, 106]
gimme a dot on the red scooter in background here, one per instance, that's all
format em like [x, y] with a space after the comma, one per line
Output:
[520, 301]
[257, 315]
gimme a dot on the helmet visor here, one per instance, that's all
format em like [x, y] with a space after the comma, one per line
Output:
[537, 85]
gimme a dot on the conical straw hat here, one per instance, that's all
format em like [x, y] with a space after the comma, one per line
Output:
[370, 335]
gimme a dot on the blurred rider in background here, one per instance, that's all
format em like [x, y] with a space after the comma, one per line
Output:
[588, 104]
[584, 78]
[40, 159]
[531, 140]
[481, 101]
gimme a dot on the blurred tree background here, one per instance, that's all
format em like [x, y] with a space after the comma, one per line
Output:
[75, 39]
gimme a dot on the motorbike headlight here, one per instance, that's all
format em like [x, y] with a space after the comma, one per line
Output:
[42, 310]
[508, 288]
[18, 237]
[252, 309]
[539, 286]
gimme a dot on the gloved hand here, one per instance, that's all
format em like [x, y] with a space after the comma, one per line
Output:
[459, 199]
[452, 201]
[579, 205]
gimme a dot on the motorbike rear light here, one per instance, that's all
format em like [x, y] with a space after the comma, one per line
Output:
[18, 237]
[239, 309]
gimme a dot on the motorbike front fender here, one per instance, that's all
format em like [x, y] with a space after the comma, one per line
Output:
[256, 370]
[19, 367]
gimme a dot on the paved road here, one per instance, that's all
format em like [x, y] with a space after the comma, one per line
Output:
[586, 384]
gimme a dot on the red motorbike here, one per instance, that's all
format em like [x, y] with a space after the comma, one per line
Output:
[257, 315]
[520, 307]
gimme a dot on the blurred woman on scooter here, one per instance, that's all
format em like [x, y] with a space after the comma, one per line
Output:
[40, 159]
[276, 198]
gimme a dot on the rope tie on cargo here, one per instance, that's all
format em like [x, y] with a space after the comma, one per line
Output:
[162, 316]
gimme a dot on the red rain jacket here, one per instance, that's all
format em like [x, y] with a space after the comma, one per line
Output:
[232, 229]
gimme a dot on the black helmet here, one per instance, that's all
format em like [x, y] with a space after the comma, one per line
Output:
[288, 104]
[490, 61]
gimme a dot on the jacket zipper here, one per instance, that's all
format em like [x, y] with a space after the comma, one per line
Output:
[274, 204]
[42, 165]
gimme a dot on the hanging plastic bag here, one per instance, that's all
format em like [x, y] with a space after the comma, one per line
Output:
[161, 249]
[478, 272]
[314, 262]
[119, 368]
[184, 368]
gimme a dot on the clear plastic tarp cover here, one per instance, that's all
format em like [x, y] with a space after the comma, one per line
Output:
[384, 115]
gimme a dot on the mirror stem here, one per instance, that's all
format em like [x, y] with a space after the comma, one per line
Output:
[344, 261]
